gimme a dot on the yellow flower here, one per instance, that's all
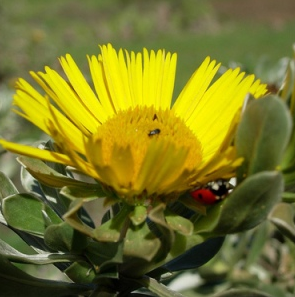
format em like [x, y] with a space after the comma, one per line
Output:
[123, 130]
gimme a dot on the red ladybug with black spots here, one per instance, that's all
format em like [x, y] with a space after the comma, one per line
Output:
[213, 192]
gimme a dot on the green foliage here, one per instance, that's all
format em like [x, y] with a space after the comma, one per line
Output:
[282, 216]
[242, 293]
[195, 29]
[24, 212]
[47, 175]
[287, 93]
[63, 238]
[7, 187]
[263, 135]
[15, 282]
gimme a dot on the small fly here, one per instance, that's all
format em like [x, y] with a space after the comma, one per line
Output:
[154, 132]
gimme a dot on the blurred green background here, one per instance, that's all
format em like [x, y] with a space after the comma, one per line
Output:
[35, 32]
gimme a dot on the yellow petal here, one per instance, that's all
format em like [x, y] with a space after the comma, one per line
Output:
[36, 153]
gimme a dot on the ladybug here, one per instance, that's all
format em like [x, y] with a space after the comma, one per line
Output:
[154, 132]
[213, 192]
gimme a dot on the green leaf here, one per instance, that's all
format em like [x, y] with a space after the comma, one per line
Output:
[81, 272]
[287, 92]
[7, 187]
[24, 212]
[50, 217]
[45, 258]
[63, 237]
[288, 197]
[14, 282]
[258, 239]
[147, 245]
[140, 242]
[138, 215]
[289, 177]
[242, 293]
[179, 223]
[282, 216]
[197, 255]
[49, 195]
[246, 207]
[262, 135]
[182, 244]
[157, 288]
[79, 195]
[29, 183]
[162, 230]
[105, 255]
[76, 211]
[116, 228]
[46, 175]
[84, 191]
[73, 219]
[288, 86]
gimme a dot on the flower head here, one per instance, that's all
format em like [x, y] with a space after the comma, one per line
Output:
[122, 129]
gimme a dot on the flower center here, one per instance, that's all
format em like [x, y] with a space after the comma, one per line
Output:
[145, 142]
[138, 127]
